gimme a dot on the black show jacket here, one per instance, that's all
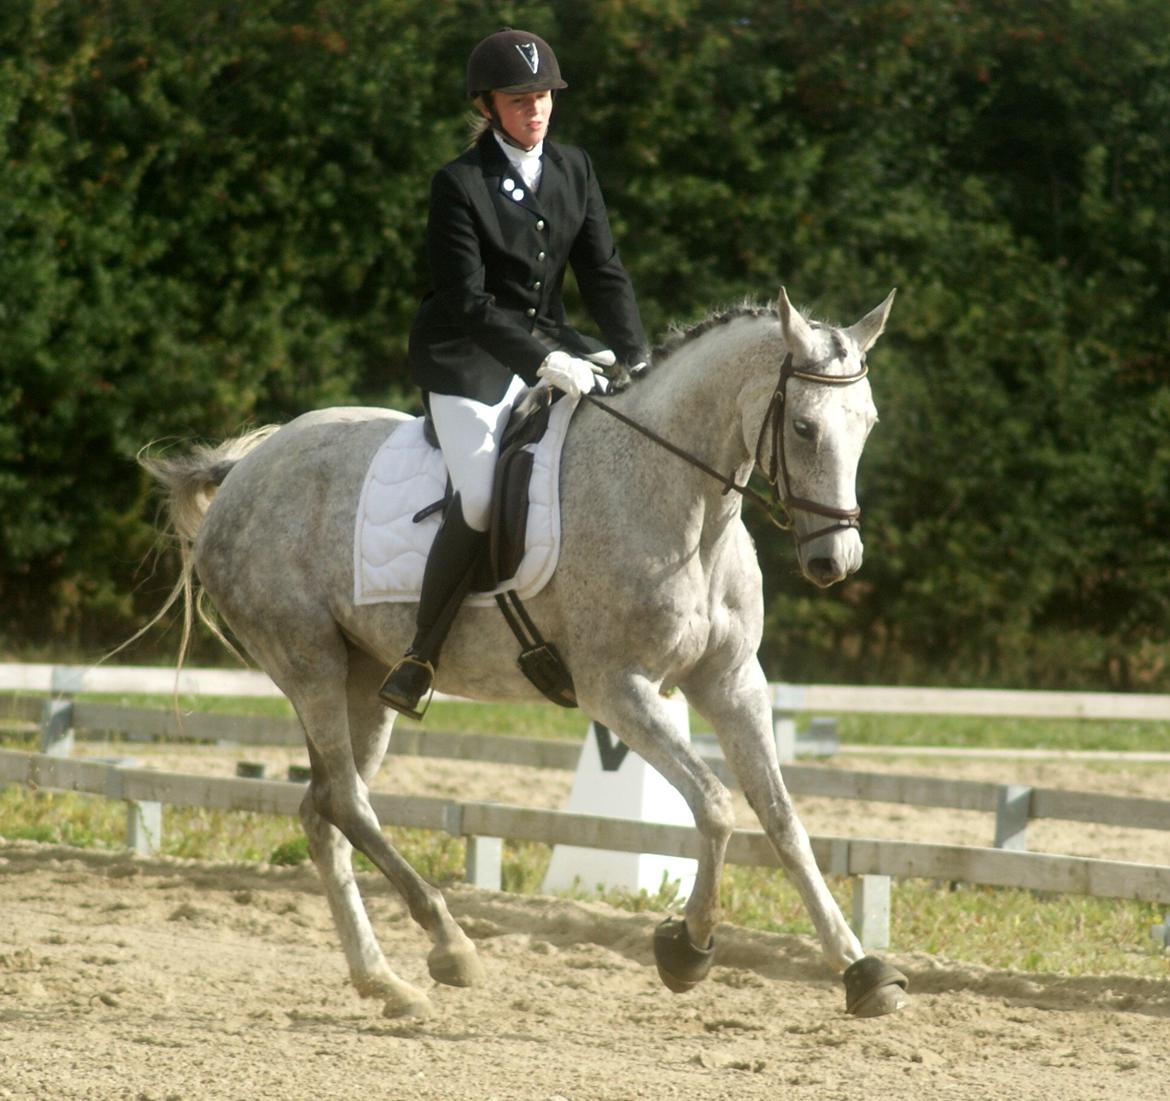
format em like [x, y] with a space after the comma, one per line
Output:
[498, 255]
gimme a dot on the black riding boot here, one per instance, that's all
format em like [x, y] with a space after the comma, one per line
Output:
[450, 568]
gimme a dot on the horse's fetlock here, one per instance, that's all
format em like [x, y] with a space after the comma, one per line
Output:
[430, 909]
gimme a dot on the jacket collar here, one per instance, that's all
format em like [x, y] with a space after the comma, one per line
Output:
[498, 173]
[491, 156]
[496, 163]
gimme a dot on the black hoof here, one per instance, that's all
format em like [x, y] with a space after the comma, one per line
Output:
[681, 965]
[406, 685]
[874, 988]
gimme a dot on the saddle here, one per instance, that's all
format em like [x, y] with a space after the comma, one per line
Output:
[539, 660]
[509, 508]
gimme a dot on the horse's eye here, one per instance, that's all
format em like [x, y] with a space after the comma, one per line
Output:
[805, 429]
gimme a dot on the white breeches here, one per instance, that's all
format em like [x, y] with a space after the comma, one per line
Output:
[469, 434]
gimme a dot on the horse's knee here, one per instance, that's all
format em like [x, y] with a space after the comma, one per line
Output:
[344, 806]
[715, 817]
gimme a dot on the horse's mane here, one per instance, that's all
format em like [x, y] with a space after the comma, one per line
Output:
[678, 335]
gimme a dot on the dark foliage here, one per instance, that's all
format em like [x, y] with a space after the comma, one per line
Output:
[211, 215]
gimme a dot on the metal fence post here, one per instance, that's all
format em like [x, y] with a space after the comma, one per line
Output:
[1013, 808]
[143, 816]
[871, 898]
[786, 701]
[57, 728]
[484, 864]
[143, 827]
[822, 739]
[871, 910]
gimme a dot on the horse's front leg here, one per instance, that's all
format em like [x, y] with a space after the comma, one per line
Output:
[738, 705]
[638, 714]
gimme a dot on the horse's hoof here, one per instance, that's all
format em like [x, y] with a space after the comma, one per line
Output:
[419, 1007]
[873, 988]
[398, 998]
[456, 965]
[681, 966]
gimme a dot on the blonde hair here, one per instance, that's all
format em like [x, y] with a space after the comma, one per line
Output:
[477, 124]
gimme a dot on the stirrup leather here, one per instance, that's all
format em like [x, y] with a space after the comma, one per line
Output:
[408, 682]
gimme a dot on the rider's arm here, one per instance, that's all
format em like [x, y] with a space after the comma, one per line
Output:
[602, 279]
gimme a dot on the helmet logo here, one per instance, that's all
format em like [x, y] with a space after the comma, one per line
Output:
[529, 53]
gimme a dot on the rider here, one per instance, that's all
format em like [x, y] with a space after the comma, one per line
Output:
[504, 220]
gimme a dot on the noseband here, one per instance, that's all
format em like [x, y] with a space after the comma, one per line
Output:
[782, 503]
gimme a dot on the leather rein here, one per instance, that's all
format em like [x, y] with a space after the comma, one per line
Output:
[780, 506]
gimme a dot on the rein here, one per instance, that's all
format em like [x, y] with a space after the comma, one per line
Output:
[780, 507]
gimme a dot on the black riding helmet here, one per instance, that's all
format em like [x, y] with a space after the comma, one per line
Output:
[515, 62]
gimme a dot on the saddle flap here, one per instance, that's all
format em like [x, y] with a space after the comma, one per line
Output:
[509, 514]
[509, 510]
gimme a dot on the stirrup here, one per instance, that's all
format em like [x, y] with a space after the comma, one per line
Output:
[411, 679]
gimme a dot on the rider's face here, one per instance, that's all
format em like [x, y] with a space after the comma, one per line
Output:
[524, 116]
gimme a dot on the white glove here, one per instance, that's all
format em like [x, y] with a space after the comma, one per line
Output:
[574, 376]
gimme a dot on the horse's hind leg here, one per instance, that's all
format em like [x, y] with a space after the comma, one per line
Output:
[332, 856]
[347, 734]
[368, 969]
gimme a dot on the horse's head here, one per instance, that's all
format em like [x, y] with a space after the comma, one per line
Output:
[810, 435]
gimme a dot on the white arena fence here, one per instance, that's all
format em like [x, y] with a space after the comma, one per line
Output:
[871, 863]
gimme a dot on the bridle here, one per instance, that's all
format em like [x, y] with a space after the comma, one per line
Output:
[777, 474]
[782, 502]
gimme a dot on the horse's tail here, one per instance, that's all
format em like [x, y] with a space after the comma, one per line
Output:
[189, 481]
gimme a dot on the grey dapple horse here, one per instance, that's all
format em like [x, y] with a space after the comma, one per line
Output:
[657, 586]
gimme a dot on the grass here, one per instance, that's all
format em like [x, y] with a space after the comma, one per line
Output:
[975, 732]
[1009, 929]
[538, 720]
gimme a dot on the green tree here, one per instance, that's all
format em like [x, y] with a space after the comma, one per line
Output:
[213, 214]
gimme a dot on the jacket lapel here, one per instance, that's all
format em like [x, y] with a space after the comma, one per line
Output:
[503, 179]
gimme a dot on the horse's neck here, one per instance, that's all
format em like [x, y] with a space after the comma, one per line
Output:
[694, 397]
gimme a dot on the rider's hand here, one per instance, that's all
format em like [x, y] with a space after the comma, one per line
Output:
[574, 376]
[619, 376]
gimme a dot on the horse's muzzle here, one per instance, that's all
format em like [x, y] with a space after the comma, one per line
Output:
[832, 559]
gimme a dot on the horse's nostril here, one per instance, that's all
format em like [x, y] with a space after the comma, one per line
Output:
[824, 570]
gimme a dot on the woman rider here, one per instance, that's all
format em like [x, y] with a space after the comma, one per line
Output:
[505, 219]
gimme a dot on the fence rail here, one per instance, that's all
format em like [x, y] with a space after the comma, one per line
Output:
[1004, 800]
[787, 699]
[870, 862]
[835, 855]
[991, 703]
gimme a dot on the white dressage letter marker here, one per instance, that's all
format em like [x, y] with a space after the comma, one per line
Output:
[614, 782]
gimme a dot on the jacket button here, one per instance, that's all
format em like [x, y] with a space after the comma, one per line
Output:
[536, 286]
[540, 224]
[530, 312]
[540, 256]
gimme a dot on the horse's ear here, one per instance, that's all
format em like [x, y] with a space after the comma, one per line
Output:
[870, 327]
[797, 332]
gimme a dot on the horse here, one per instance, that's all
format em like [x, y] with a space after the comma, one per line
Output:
[657, 586]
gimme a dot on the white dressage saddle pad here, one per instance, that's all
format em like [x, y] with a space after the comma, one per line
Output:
[407, 474]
